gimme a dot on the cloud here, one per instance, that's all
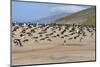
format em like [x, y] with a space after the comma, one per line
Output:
[68, 8]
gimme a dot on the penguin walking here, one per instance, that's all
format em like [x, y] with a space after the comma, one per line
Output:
[18, 42]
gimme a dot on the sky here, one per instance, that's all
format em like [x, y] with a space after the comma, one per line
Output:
[36, 12]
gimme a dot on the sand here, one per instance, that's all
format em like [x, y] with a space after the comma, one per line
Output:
[53, 52]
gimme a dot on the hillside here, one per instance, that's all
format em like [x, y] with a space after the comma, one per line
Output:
[83, 17]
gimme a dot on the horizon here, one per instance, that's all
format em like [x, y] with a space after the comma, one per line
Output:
[42, 12]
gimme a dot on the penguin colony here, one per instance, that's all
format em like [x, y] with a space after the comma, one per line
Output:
[63, 31]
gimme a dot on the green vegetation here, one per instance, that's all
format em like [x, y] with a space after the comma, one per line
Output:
[87, 17]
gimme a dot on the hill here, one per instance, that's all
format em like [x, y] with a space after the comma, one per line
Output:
[87, 16]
